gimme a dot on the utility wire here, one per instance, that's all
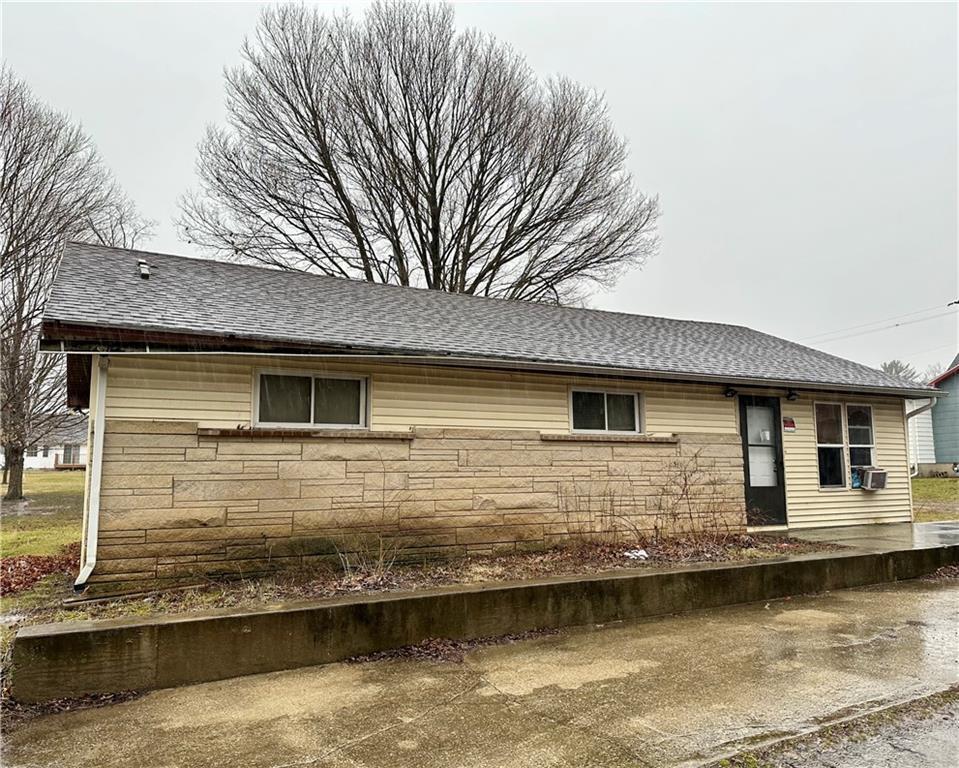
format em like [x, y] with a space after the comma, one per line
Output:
[874, 322]
[886, 327]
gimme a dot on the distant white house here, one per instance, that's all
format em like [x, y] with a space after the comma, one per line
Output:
[63, 446]
[922, 449]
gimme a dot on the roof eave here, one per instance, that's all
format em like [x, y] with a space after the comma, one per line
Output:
[61, 337]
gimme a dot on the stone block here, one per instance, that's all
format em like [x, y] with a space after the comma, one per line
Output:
[454, 521]
[292, 505]
[179, 468]
[383, 450]
[312, 470]
[258, 449]
[200, 454]
[514, 500]
[148, 440]
[509, 458]
[223, 534]
[453, 505]
[448, 467]
[348, 489]
[172, 517]
[186, 490]
[498, 533]
[130, 502]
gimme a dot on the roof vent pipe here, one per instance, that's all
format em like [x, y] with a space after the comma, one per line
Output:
[144, 269]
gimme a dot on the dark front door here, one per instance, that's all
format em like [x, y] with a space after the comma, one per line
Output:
[760, 425]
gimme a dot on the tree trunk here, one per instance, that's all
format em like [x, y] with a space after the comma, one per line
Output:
[6, 464]
[14, 466]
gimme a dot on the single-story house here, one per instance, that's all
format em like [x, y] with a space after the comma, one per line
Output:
[945, 416]
[245, 417]
[62, 444]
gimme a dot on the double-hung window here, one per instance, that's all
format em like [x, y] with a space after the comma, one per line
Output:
[835, 435]
[830, 445]
[599, 411]
[861, 442]
[294, 400]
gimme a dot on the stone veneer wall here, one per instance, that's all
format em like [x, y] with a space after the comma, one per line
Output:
[177, 500]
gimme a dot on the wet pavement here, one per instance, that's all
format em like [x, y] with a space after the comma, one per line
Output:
[923, 733]
[889, 536]
[670, 691]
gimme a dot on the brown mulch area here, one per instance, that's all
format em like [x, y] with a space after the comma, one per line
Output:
[946, 573]
[443, 649]
[568, 560]
[15, 712]
[20, 572]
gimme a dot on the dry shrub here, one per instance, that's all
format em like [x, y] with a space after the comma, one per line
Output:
[690, 499]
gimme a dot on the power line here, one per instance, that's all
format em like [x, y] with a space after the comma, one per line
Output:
[874, 322]
[885, 328]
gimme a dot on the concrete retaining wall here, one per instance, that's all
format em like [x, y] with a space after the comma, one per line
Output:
[70, 659]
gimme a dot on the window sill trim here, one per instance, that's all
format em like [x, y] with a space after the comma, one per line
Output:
[273, 433]
[599, 437]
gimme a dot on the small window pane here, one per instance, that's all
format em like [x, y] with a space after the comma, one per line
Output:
[285, 399]
[759, 424]
[336, 401]
[589, 410]
[828, 423]
[859, 416]
[860, 457]
[621, 412]
[762, 466]
[830, 467]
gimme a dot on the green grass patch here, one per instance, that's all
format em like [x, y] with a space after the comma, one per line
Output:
[50, 517]
[935, 489]
[934, 514]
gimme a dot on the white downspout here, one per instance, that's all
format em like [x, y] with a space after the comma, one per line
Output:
[95, 462]
[909, 415]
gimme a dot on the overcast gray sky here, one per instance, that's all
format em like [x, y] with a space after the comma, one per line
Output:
[805, 155]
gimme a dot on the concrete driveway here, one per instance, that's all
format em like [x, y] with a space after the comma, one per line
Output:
[670, 691]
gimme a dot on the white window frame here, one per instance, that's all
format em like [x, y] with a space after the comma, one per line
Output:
[310, 374]
[637, 411]
[872, 433]
[841, 446]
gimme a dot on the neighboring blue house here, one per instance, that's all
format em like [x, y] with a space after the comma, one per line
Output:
[945, 415]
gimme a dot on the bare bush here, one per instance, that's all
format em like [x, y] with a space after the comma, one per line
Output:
[690, 498]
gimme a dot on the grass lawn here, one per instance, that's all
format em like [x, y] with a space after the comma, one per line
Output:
[50, 517]
[935, 498]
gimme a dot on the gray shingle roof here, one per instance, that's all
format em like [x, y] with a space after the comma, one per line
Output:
[101, 286]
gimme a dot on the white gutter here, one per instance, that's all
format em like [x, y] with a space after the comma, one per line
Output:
[94, 461]
[909, 415]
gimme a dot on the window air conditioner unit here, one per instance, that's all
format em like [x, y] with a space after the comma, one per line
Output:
[873, 479]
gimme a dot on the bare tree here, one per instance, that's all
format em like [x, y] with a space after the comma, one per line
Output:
[395, 149]
[932, 371]
[900, 370]
[53, 187]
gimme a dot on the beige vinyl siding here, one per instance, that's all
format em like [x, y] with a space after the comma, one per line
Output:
[807, 505]
[217, 391]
